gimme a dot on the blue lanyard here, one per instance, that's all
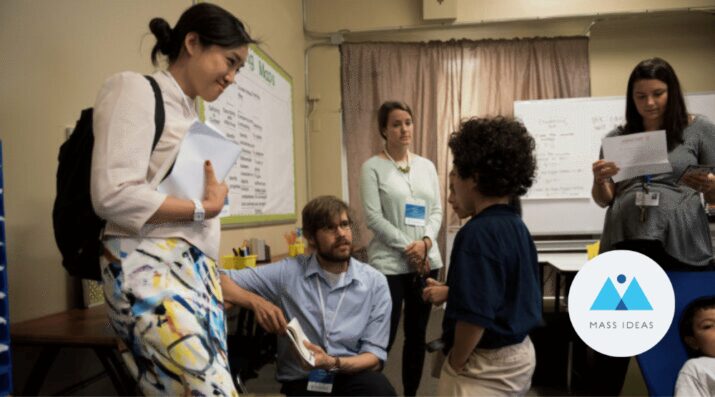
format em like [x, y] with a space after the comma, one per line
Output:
[646, 182]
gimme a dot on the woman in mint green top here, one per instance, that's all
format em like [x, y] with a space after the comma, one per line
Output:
[400, 196]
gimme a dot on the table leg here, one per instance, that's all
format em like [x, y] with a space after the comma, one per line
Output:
[557, 292]
[568, 280]
[39, 371]
[115, 370]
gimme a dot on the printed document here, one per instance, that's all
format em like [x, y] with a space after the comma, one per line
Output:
[644, 153]
[202, 142]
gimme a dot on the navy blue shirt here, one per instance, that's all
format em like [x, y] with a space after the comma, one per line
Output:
[493, 279]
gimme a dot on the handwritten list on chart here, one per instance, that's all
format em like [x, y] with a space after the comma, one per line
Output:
[560, 153]
[567, 143]
[247, 180]
[256, 113]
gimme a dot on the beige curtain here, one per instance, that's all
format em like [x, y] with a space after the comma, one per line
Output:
[445, 82]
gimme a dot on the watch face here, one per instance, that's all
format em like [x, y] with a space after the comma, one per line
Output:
[199, 212]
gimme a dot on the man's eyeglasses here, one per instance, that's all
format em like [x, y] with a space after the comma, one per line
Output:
[343, 226]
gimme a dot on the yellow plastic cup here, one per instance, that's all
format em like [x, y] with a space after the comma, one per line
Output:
[232, 262]
[592, 249]
[296, 249]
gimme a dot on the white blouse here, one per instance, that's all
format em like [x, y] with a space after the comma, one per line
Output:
[126, 173]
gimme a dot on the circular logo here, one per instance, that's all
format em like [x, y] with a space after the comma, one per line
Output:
[621, 303]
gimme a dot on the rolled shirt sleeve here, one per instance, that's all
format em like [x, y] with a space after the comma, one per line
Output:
[263, 280]
[377, 332]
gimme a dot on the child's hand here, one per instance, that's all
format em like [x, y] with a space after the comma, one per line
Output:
[435, 292]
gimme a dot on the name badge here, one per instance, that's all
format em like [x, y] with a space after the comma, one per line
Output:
[651, 199]
[321, 381]
[415, 212]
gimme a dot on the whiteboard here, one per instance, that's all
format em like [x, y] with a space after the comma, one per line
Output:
[257, 113]
[568, 135]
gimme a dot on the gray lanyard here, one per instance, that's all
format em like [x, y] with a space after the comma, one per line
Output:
[322, 310]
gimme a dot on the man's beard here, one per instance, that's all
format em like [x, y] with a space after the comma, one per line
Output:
[329, 255]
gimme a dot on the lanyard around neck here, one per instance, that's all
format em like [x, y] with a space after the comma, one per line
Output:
[405, 172]
[322, 310]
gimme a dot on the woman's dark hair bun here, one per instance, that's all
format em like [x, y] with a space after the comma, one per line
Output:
[162, 31]
[212, 24]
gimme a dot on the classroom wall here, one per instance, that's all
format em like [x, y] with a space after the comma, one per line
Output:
[357, 15]
[621, 36]
[55, 56]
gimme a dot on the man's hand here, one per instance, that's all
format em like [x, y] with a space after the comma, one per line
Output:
[268, 315]
[435, 292]
[322, 359]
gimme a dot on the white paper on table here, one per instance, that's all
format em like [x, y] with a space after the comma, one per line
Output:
[202, 142]
[644, 153]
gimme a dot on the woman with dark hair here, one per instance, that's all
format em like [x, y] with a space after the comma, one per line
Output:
[400, 196]
[674, 233]
[159, 273]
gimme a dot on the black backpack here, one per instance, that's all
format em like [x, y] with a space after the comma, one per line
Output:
[77, 227]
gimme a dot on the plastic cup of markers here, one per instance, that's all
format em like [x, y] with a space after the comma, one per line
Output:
[296, 249]
[232, 262]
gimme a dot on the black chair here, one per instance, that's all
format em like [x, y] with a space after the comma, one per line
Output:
[249, 349]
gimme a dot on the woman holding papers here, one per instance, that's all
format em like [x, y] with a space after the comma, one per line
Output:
[400, 196]
[660, 216]
[160, 279]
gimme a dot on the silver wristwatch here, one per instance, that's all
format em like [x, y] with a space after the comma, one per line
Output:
[199, 212]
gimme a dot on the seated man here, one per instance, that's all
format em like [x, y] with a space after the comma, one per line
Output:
[342, 305]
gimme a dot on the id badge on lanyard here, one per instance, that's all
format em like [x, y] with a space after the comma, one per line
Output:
[415, 212]
[320, 380]
[645, 198]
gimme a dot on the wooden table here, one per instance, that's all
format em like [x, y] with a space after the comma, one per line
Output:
[75, 328]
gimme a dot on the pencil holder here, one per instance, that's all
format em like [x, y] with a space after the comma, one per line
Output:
[232, 262]
[296, 249]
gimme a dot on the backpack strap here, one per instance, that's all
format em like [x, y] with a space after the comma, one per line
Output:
[159, 117]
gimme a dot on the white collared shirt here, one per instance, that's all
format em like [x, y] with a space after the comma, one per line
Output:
[125, 172]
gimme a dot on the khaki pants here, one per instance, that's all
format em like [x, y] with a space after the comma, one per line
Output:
[506, 371]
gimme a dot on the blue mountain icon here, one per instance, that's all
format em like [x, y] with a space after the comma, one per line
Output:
[634, 298]
[609, 298]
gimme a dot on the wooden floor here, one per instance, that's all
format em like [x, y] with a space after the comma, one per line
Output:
[265, 384]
